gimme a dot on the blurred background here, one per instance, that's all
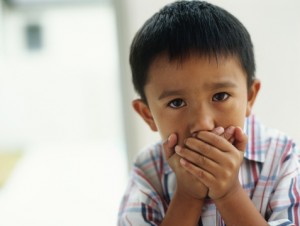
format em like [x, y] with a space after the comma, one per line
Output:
[68, 133]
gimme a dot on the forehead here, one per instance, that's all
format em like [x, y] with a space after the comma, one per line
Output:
[208, 67]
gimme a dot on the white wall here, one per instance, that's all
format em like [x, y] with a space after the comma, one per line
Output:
[67, 91]
[61, 105]
[275, 30]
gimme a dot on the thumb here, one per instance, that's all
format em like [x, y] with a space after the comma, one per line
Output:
[169, 145]
[240, 139]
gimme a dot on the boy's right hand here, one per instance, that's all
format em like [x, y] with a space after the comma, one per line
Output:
[187, 185]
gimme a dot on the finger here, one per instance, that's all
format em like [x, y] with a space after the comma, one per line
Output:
[218, 130]
[169, 145]
[205, 149]
[205, 177]
[215, 141]
[197, 159]
[229, 134]
[240, 139]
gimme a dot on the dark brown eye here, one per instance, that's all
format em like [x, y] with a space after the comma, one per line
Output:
[220, 96]
[177, 103]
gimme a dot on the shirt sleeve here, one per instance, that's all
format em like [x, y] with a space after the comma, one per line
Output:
[138, 208]
[143, 202]
[284, 203]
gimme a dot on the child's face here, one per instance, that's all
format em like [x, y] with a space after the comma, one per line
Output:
[197, 94]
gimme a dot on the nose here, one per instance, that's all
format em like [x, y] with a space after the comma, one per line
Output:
[201, 119]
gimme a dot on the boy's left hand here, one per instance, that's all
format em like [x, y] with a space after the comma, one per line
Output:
[214, 160]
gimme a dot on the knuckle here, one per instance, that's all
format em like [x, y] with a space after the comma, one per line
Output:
[200, 174]
[201, 160]
[216, 139]
[210, 148]
[227, 173]
[222, 185]
[188, 141]
[231, 164]
[193, 144]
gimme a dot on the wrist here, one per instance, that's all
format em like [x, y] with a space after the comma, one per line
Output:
[188, 200]
[238, 203]
[183, 210]
[231, 196]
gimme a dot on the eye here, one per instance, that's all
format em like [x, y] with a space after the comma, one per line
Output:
[220, 97]
[176, 103]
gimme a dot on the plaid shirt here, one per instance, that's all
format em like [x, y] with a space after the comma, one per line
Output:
[270, 175]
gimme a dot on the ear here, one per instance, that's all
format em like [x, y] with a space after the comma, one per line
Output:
[252, 94]
[143, 110]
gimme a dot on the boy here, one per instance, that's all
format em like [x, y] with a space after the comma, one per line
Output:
[194, 69]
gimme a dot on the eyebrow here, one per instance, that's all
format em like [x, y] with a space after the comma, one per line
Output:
[208, 86]
[220, 85]
[168, 93]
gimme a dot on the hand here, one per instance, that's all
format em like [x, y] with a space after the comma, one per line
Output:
[214, 161]
[187, 184]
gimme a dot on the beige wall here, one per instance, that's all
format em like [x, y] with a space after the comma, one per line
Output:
[275, 30]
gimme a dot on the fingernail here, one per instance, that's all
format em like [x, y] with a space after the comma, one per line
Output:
[177, 148]
[169, 138]
[183, 161]
[219, 130]
[230, 130]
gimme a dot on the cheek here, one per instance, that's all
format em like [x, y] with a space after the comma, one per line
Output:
[234, 115]
[230, 114]
[167, 127]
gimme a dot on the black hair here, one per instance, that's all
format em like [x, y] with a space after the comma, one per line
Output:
[187, 27]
